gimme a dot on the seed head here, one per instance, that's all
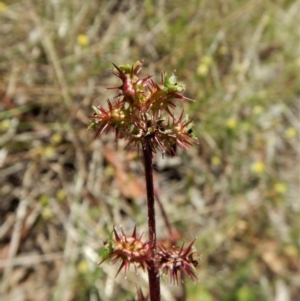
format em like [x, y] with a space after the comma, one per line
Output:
[176, 261]
[143, 112]
[128, 249]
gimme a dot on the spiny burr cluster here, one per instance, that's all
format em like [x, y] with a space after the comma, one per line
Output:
[143, 114]
[132, 250]
[143, 111]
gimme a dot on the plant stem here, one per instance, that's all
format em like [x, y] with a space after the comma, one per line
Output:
[154, 281]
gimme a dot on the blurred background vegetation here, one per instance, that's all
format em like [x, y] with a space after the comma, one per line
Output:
[61, 192]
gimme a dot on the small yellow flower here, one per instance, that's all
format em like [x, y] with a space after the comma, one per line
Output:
[47, 213]
[83, 267]
[258, 167]
[257, 110]
[291, 132]
[207, 60]
[44, 200]
[202, 70]
[60, 195]
[56, 139]
[3, 7]
[291, 250]
[5, 124]
[82, 40]
[48, 152]
[231, 123]
[216, 161]
[280, 187]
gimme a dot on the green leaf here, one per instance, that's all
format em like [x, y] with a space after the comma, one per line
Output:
[108, 247]
[171, 84]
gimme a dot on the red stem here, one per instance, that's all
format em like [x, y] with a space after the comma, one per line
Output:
[153, 276]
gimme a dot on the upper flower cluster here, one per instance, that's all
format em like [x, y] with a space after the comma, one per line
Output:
[143, 111]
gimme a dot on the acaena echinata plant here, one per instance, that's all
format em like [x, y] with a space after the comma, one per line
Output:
[143, 114]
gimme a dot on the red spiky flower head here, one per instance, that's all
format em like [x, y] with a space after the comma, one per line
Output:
[143, 111]
[128, 249]
[176, 261]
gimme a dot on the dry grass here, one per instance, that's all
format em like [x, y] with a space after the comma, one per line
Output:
[61, 192]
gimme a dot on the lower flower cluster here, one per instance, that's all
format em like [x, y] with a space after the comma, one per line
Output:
[128, 249]
[131, 250]
[175, 262]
